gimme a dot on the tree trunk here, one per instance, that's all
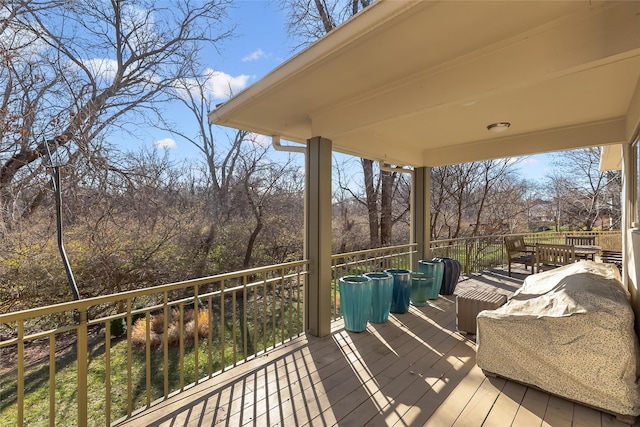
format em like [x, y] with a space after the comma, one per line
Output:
[327, 22]
[252, 242]
[202, 254]
[386, 197]
[372, 202]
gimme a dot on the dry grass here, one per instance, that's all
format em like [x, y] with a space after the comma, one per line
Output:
[157, 325]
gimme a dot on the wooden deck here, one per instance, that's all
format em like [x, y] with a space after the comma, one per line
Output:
[413, 370]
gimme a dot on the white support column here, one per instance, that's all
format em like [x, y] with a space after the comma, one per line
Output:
[318, 237]
[421, 214]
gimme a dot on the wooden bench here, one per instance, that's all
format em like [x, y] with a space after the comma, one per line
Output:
[580, 240]
[554, 255]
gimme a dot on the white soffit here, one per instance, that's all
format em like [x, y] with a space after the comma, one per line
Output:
[418, 82]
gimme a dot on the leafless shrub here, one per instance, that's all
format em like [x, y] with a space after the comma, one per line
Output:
[157, 328]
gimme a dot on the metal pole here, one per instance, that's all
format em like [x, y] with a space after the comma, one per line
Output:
[63, 253]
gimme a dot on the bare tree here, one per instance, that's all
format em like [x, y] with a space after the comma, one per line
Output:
[371, 188]
[512, 204]
[587, 193]
[309, 21]
[350, 214]
[459, 188]
[241, 180]
[85, 66]
[558, 191]
[612, 200]
[467, 194]
[491, 174]
[262, 183]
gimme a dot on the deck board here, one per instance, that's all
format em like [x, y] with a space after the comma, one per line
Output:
[477, 409]
[586, 417]
[532, 409]
[506, 405]
[559, 412]
[413, 370]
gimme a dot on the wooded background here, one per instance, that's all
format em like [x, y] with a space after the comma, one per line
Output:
[139, 218]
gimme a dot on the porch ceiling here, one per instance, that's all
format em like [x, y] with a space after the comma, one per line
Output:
[417, 82]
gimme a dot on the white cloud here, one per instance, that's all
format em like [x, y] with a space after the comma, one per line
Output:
[216, 84]
[259, 140]
[138, 25]
[529, 161]
[165, 143]
[255, 55]
[222, 85]
[102, 67]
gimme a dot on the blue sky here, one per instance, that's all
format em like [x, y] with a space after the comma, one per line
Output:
[536, 166]
[260, 44]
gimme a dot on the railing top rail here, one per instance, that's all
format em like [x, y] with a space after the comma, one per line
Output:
[85, 304]
[541, 234]
[380, 249]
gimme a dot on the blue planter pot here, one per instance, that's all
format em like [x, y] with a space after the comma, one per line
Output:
[382, 294]
[355, 301]
[435, 270]
[401, 290]
[421, 287]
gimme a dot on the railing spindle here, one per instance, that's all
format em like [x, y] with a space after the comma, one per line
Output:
[52, 380]
[196, 334]
[234, 332]
[273, 314]
[165, 342]
[147, 355]
[20, 331]
[107, 371]
[181, 344]
[83, 365]
[210, 338]
[223, 343]
[281, 300]
[255, 321]
[245, 331]
[264, 311]
[129, 360]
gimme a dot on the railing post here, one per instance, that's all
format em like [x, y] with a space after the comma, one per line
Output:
[20, 373]
[82, 368]
[467, 255]
[420, 216]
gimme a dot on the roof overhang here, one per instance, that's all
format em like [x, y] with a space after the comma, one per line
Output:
[418, 82]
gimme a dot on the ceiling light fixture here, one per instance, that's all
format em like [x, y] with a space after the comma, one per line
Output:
[498, 127]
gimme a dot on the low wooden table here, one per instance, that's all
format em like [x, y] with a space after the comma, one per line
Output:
[587, 251]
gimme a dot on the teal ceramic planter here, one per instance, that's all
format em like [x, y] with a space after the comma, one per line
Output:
[382, 294]
[355, 301]
[421, 287]
[401, 290]
[435, 270]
